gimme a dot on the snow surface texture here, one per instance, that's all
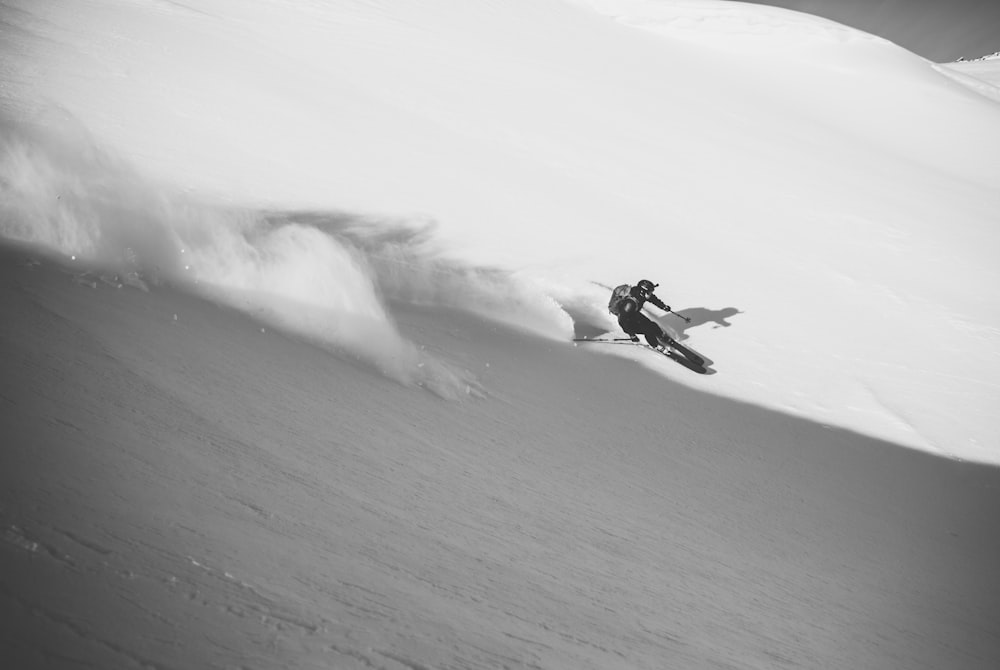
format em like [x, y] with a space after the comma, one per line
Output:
[179, 489]
[827, 195]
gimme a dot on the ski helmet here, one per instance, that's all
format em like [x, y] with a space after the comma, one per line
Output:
[646, 285]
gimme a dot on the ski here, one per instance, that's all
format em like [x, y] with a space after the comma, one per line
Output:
[677, 353]
[690, 364]
[690, 355]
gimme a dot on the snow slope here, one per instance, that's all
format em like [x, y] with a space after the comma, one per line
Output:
[981, 75]
[828, 195]
[180, 489]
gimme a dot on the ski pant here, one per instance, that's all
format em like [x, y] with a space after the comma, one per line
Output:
[635, 324]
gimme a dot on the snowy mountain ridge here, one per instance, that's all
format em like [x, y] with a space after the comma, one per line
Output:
[730, 25]
[991, 56]
[982, 75]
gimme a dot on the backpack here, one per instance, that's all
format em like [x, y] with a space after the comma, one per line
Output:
[617, 295]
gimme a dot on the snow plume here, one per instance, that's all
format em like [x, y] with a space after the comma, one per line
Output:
[410, 267]
[60, 191]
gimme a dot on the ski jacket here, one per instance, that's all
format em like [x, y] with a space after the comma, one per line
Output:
[636, 299]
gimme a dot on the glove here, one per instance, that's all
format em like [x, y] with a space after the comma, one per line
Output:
[634, 338]
[667, 308]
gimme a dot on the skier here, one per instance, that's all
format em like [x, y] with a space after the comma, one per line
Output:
[633, 321]
[626, 304]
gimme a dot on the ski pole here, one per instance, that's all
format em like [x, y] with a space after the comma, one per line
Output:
[606, 339]
[686, 320]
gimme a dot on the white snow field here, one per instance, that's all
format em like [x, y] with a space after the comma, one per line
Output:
[288, 289]
[827, 194]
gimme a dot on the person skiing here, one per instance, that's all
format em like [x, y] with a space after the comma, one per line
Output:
[633, 321]
[626, 304]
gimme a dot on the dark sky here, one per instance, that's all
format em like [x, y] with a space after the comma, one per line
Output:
[939, 30]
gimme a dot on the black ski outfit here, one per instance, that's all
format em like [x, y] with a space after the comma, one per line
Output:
[633, 321]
